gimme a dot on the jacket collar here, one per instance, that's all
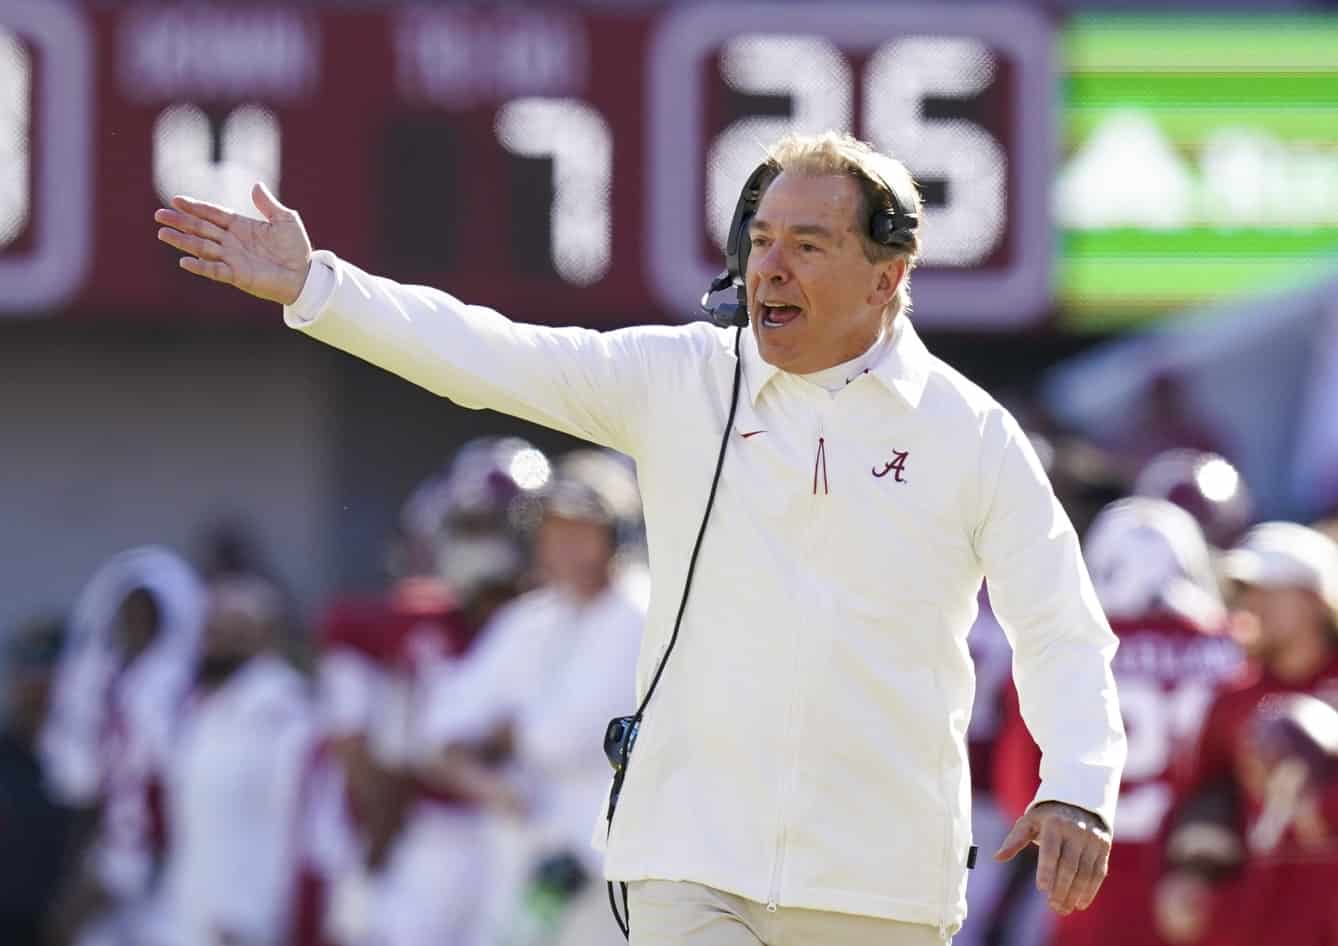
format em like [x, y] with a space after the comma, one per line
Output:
[902, 367]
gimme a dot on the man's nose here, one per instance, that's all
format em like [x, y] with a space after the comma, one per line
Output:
[771, 266]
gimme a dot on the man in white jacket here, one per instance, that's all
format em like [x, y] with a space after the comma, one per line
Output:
[801, 773]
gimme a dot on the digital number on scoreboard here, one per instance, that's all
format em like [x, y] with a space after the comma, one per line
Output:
[563, 166]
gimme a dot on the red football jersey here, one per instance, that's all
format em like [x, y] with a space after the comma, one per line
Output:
[1284, 893]
[416, 620]
[378, 656]
[1166, 671]
[400, 645]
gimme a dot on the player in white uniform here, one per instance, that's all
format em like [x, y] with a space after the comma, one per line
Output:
[389, 859]
[234, 786]
[123, 674]
[520, 726]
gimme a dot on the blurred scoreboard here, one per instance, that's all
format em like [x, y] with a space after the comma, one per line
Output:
[559, 164]
[1199, 161]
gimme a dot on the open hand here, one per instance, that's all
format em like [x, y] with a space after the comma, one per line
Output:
[267, 258]
[1075, 852]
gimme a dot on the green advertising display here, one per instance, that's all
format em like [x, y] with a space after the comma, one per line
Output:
[1199, 161]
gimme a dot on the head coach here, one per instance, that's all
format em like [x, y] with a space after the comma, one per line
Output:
[822, 499]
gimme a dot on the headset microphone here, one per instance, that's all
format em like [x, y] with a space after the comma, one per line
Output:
[737, 244]
[726, 314]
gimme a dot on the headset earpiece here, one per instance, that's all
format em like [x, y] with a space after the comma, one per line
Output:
[739, 242]
[894, 226]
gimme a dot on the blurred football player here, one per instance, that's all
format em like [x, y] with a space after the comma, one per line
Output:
[235, 780]
[472, 526]
[519, 730]
[395, 859]
[123, 675]
[1289, 762]
[1239, 870]
[1152, 571]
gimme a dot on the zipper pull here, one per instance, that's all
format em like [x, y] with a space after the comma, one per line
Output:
[771, 906]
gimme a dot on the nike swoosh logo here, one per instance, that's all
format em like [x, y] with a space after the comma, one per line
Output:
[751, 433]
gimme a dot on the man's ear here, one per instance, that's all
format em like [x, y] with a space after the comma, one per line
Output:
[891, 275]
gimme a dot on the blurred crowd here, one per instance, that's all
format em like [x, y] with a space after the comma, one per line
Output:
[178, 769]
[1226, 831]
[181, 766]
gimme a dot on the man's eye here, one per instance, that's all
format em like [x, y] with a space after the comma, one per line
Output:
[759, 241]
[808, 247]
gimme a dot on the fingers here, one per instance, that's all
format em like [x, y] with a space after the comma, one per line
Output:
[209, 269]
[1091, 875]
[1023, 833]
[186, 243]
[265, 201]
[1047, 866]
[188, 223]
[1072, 866]
[1066, 871]
[219, 216]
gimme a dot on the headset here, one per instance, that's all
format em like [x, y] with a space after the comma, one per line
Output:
[888, 226]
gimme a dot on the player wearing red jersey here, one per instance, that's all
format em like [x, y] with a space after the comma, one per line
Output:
[389, 857]
[1250, 859]
[1152, 571]
[517, 729]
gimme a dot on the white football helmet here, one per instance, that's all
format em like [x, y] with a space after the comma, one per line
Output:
[1147, 555]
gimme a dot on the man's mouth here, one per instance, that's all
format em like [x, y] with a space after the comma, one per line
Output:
[777, 314]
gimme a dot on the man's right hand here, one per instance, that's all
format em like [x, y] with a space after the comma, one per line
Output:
[267, 258]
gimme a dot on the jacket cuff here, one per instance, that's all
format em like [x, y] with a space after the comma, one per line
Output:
[316, 291]
[1090, 800]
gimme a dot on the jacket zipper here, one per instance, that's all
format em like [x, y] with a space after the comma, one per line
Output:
[791, 775]
[786, 791]
[783, 797]
[774, 891]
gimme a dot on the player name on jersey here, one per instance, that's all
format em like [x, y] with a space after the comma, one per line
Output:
[1168, 654]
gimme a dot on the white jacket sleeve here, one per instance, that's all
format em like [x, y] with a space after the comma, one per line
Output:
[593, 385]
[1062, 643]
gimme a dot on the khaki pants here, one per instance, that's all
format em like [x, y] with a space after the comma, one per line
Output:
[588, 920]
[668, 913]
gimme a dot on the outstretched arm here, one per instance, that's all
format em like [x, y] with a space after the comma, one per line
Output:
[593, 385]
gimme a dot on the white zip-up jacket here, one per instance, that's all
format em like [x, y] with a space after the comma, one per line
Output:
[806, 745]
